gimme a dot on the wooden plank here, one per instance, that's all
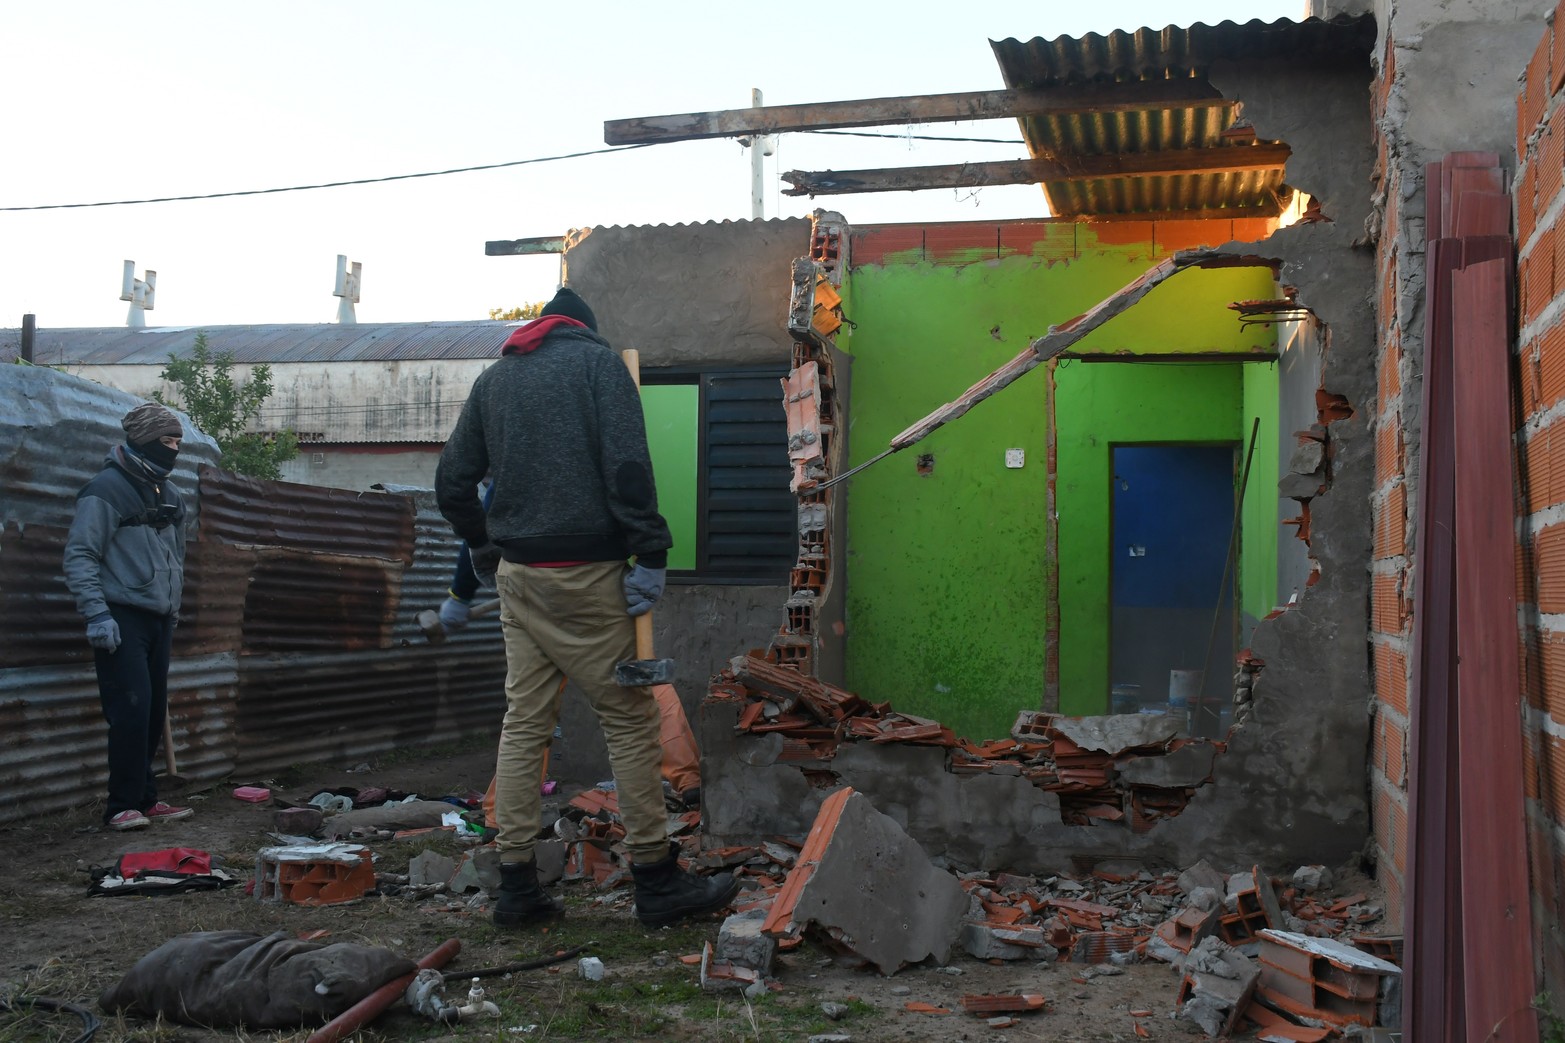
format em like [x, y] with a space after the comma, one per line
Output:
[926, 108]
[548, 244]
[1497, 946]
[1175, 163]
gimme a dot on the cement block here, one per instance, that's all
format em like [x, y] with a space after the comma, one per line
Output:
[740, 942]
[1202, 875]
[1189, 766]
[430, 867]
[876, 891]
[1117, 732]
[987, 941]
[1218, 985]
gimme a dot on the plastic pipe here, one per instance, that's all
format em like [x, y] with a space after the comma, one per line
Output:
[372, 1006]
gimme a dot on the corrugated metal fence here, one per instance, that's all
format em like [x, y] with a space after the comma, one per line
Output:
[297, 640]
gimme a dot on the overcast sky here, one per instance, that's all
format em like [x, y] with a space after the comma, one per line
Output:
[123, 101]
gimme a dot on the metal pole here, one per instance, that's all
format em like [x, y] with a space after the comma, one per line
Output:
[1222, 590]
[757, 164]
[29, 336]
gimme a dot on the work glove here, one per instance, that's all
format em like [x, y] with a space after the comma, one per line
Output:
[643, 586]
[453, 613]
[103, 633]
[486, 562]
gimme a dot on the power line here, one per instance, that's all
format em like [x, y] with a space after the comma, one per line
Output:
[326, 184]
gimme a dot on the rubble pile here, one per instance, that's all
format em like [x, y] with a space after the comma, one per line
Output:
[1132, 769]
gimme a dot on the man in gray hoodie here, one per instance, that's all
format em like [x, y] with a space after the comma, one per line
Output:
[557, 421]
[125, 563]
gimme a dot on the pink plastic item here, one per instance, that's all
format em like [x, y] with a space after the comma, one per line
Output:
[254, 794]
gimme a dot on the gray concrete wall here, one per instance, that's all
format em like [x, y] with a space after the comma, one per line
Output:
[338, 468]
[685, 295]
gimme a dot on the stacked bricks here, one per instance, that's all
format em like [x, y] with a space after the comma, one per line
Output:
[1540, 592]
[1399, 257]
[810, 399]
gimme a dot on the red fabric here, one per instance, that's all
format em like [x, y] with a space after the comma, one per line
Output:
[531, 335]
[185, 860]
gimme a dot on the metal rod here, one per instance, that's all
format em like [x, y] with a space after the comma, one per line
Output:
[1222, 587]
[828, 483]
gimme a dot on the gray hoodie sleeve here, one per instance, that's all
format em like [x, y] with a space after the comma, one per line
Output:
[626, 466]
[91, 530]
[463, 461]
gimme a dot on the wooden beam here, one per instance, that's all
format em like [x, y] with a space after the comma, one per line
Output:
[547, 244]
[927, 108]
[1035, 171]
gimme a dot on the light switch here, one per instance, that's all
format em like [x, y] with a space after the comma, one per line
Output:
[1015, 457]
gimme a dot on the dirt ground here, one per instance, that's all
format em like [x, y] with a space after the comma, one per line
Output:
[62, 944]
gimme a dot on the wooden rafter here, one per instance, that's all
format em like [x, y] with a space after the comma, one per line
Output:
[1035, 171]
[928, 108]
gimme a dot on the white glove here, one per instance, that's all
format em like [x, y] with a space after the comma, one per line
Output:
[453, 613]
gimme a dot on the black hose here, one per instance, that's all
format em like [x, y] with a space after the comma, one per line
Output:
[90, 1022]
[511, 968]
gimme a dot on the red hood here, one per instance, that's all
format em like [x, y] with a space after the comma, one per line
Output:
[528, 337]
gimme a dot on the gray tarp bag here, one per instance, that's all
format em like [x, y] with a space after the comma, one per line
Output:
[232, 978]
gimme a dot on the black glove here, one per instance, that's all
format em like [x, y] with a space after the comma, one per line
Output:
[486, 562]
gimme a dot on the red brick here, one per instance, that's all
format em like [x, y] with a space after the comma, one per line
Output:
[1536, 275]
[1390, 376]
[1526, 199]
[1549, 566]
[1391, 677]
[1388, 448]
[1535, 89]
[1388, 612]
[1523, 128]
[1540, 460]
[1399, 831]
[1554, 768]
[1551, 664]
[1391, 524]
[1389, 751]
[1551, 365]
[1391, 892]
[1386, 309]
[1557, 53]
[1546, 162]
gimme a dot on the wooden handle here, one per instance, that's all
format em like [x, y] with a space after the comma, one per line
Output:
[632, 359]
[168, 746]
[483, 608]
[644, 636]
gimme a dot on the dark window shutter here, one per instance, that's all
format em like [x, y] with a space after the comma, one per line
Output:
[747, 516]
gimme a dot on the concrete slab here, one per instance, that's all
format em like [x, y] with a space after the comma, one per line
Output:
[1117, 732]
[1189, 766]
[877, 893]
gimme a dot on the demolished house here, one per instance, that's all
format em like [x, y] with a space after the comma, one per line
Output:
[1101, 531]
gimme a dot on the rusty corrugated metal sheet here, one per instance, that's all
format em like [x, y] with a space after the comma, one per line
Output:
[1171, 53]
[54, 753]
[309, 518]
[275, 342]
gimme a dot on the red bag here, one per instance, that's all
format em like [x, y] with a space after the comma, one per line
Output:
[182, 861]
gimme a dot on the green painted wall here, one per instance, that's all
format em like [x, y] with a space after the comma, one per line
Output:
[946, 598]
[1260, 531]
[673, 438]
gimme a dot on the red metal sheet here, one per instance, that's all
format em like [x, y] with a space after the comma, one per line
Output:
[1496, 908]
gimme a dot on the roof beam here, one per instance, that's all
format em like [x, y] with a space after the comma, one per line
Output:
[926, 108]
[1035, 171]
[547, 244]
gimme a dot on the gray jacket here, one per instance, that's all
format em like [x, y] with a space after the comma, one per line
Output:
[127, 542]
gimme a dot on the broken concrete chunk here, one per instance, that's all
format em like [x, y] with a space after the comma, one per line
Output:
[1205, 898]
[740, 942]
[990, 941]
[1308, 457]
[430, 867]
[1187, 767]
[1300, 486]
[1217, 987]
[1202, 875]
[835, 1011]
[872, 887]
[1117, 732]
[550, 856]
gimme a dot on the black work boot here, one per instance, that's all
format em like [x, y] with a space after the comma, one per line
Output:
[665, 893]
[521, 901]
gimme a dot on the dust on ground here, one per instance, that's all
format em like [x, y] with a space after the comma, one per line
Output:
[62, 944]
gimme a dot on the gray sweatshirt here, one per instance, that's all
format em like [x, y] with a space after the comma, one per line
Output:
[558, 423]
[127, 541]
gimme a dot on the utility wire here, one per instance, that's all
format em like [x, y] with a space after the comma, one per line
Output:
[326, 184]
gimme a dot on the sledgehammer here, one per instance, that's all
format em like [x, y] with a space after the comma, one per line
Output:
[435, 632]
[645, 670]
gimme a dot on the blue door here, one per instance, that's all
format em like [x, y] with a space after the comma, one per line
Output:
[1173, 514]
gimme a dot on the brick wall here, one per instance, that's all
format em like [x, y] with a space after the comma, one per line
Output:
[1540, 220]
[1391, 567]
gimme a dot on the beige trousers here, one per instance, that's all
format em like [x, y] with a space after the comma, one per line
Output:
[571, 622]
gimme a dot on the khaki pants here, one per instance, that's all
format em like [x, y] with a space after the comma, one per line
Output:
[572, 622]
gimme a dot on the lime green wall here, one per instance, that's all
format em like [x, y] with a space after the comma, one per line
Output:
[1259, 532]
[673, 437]
[946, 572]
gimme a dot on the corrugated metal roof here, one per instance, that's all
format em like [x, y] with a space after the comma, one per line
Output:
[279, 342]
[1171, 53]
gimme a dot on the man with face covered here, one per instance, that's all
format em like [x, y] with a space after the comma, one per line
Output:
[125, 563]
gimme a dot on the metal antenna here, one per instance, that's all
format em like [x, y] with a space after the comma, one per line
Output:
[347, 289]
[140, 293]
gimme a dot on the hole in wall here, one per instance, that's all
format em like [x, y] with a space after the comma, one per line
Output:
[926, 464]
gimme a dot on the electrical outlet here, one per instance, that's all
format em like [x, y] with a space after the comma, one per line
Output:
[1015, 457]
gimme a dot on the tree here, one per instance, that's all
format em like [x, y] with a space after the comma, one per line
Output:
[525, 311]
[223, 407]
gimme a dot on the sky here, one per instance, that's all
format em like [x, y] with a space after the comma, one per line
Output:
[122, 102]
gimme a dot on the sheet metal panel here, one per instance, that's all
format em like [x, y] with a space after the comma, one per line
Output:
[1172, 53]
[1496, 923]
[274, 342]
[305, 517]
[55, 756]
[296, 709]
